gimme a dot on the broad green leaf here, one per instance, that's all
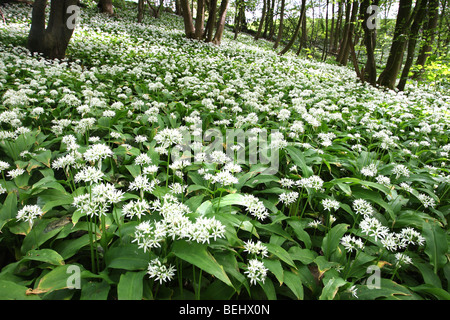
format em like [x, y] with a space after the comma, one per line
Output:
[305, 256]
[127, 257]
[275, 267]
[282, 254]
[94, 290]
[130, 286]
[9, 209]
[332, 239]
[298, 158]
[389, 290]
[331, 288]
[294, 282]
[436, 245]
[198, 255]
[44, 255]
[12, 291]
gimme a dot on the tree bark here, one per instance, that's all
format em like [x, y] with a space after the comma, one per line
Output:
[428, 34]
[412, 41]
[187, 18]
[345, 47]
[211, 23]
[297, 29]
[263, 18]
[221, 24]
[140, 11]
[200, 20]
[106, 6]
[388, 77]
[280, 28]
[52, 41]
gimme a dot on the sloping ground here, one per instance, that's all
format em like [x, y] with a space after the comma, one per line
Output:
[361, 177]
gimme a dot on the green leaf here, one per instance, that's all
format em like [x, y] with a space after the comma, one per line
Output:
[9, 209]
[56, 279]
[305, 256]
[44, 255]
[275, 267]
[130, 286]
[94, 290]
[294, 282]
[127, 257]
[331, 288]
[439, 293]
[389, 290]
[299, 160]
[12, 291]
[331, 241]
[280, 253]
[198, 255]
[436, 245]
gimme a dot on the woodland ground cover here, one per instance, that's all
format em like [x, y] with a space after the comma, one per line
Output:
[98, 202]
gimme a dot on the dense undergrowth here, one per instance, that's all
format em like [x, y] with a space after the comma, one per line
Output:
[350, 202]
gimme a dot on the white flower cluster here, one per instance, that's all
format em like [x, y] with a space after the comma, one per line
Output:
[255, 207]
[29, 213]
[175, 224]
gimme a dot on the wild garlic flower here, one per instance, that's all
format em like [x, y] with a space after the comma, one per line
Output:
[362, 207]
[369, 171]
[29, 213]
[97, 152]
[136, 208]
[373, 227]
[15, 173]
[329, 204]
[400, 170]
[257, 248]
[89, 175]
[142, 183]
[288, 198]
[160, 272]
[4, 165]
[402, 258]
[255, 207]
[256, 271]
[351, 243]
[427, 201]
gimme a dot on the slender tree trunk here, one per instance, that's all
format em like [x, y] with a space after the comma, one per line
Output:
[370, 69]
[263, 18]
[337, 32]
[297, 29]
[412, 41]
[428, 35]
[211, 23]
[221, 24]
[325, 45]
[106, 6]
[52, 41]
[343, 43]
[187, 18]
[177, 8]
[199, 20]
[140, 11]
[388, 77]
[280, 28]
[345, 48]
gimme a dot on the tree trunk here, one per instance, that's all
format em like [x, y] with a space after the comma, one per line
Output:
[211, 23]
[52, 41]
[388, 77]
[221, 24]
[428, 34]
[106, 6]
[263, 18]
[345, 47]
[325, 44]
[280, 28]
[412, 41]
[187, 18]
[297, 29]
[140, 11]
[200, 20]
